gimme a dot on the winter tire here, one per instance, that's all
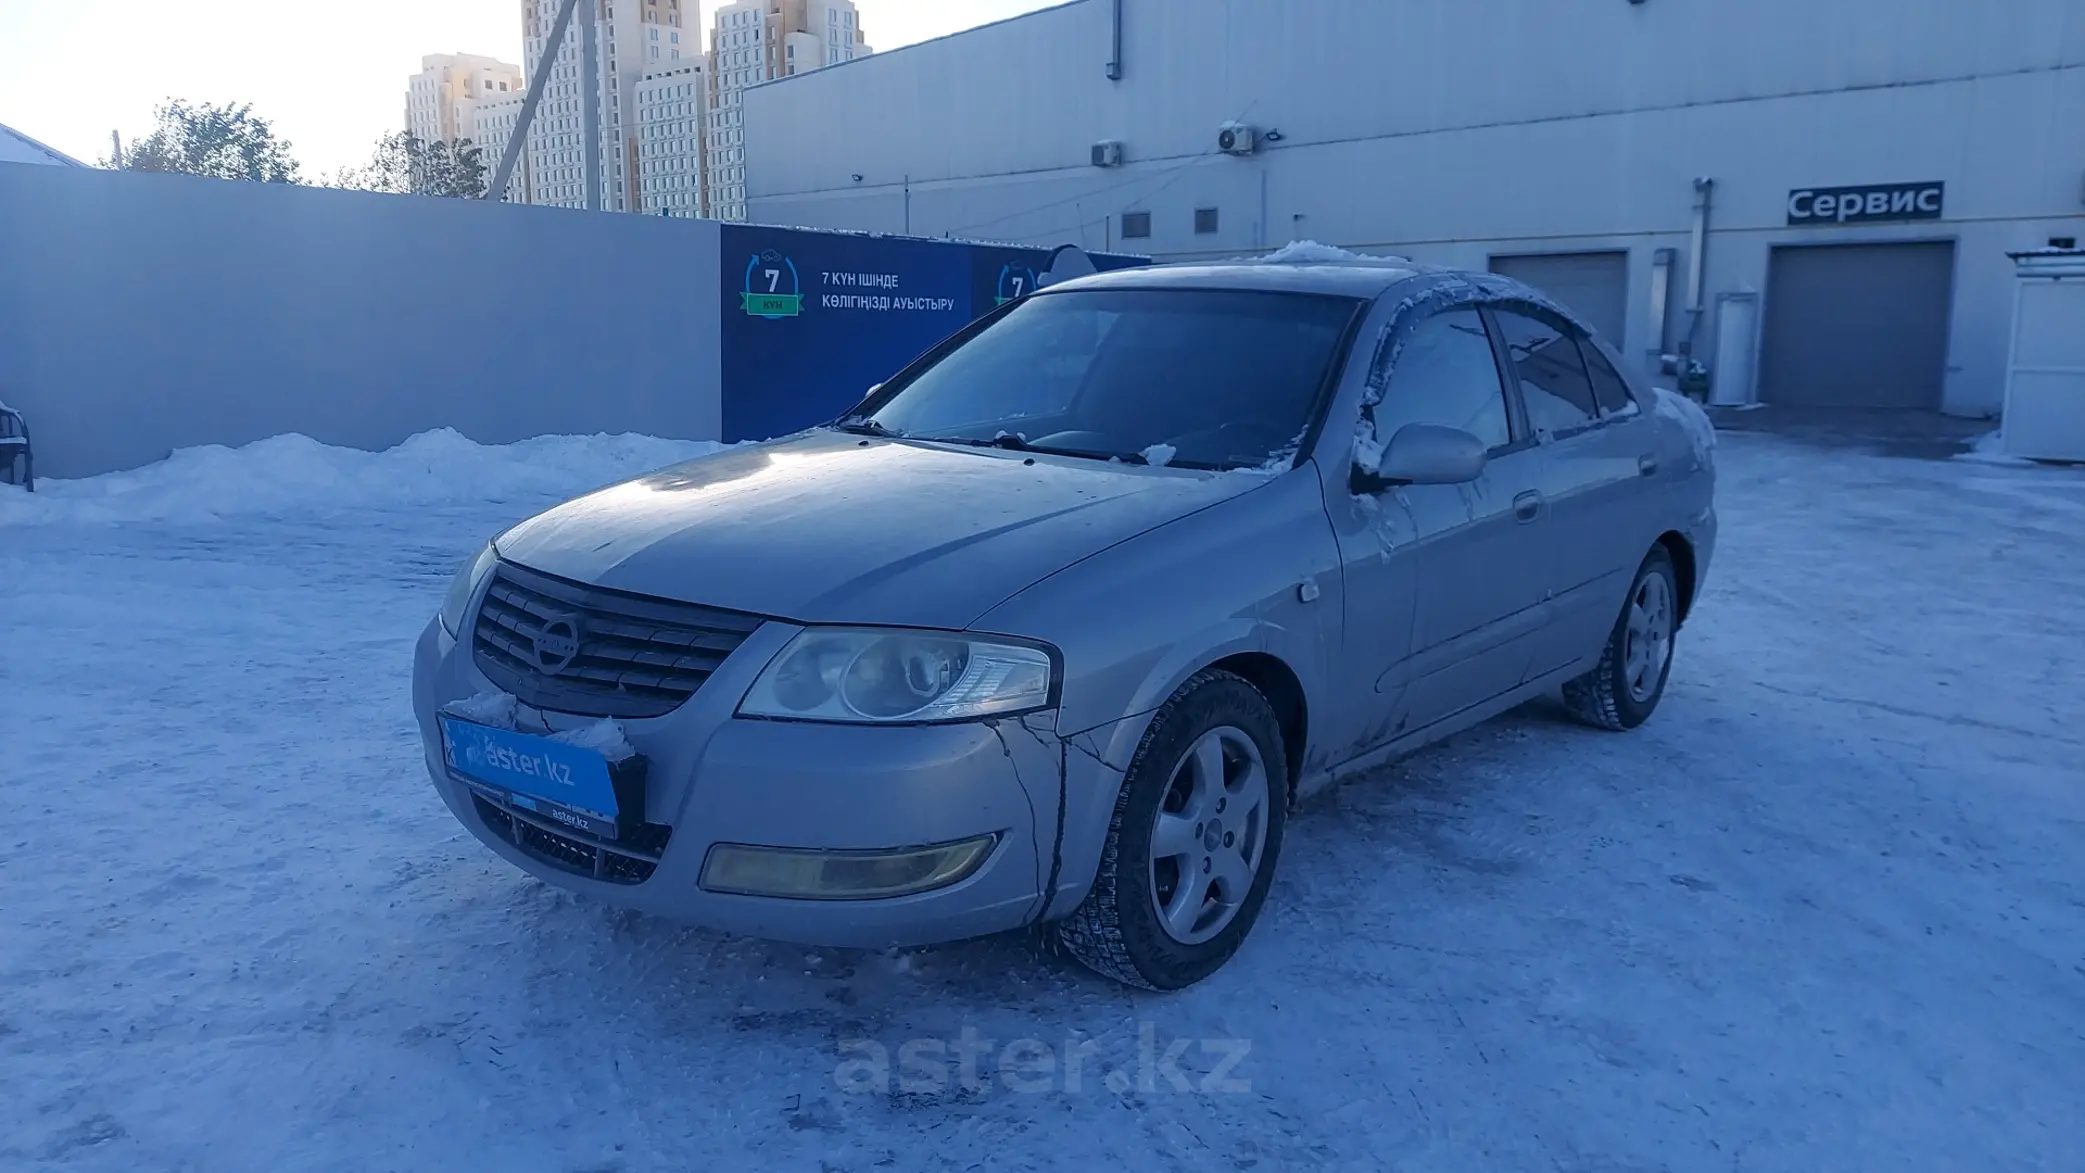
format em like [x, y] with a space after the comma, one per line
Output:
[1623, 689]
[1193, 843]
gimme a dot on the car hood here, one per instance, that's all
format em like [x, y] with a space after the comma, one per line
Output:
[831, 528]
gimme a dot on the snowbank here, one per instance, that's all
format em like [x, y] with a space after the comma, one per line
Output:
[296, 475]
[1989, 448]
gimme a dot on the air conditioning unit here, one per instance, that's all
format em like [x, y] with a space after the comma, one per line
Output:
[1236, 138]
[1107, 154]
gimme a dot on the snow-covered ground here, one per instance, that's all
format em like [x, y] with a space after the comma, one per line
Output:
[1826, 911]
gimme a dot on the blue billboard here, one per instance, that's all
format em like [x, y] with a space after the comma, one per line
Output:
[812, 320]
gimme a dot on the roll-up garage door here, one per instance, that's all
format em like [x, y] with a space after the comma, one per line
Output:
[1857, 325]
[1595, 286]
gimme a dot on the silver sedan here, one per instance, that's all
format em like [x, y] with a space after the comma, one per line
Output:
[1060, 623]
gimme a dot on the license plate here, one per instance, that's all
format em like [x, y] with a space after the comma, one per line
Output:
[561, 782]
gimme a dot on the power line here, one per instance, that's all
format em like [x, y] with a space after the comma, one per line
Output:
[1170, 177]
[1159, 182]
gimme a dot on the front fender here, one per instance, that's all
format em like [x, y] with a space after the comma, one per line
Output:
[1097, 759]
[1135, 622]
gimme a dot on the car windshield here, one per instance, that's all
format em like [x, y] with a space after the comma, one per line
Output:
[1199, 378]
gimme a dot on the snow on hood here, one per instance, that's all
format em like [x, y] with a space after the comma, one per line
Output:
[294, 475]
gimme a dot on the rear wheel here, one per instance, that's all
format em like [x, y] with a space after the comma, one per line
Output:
[1192, 846]
[1623, 690]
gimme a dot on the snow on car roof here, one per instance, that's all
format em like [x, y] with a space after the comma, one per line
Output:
[1343, 278]
[1310, 267]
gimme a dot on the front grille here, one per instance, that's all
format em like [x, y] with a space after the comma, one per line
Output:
[638, 656]
[629, 860]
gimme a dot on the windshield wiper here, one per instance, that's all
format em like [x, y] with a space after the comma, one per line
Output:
[864, 426]
[1014, 443]
[1011, 443]
[1005, 440]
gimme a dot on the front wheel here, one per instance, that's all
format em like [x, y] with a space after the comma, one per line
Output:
[1191, 848]
[1623, 690]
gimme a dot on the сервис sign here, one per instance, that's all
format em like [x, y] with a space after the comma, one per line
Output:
[1866, 205]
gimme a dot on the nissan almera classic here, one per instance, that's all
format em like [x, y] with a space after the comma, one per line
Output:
[1058, 625]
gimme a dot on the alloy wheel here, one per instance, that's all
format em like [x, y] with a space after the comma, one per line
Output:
[1647, 645]
[1210, 835]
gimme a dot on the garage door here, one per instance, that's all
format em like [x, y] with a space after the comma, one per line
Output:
[1595, 286]
[1857, 325]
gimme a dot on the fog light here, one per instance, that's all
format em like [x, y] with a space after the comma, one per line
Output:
[841, 875]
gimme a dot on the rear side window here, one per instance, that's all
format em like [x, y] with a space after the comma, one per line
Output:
[1553, 380]
[1446, 374]
[1608, 388]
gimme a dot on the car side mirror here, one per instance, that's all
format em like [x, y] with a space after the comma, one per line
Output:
[1424, 454]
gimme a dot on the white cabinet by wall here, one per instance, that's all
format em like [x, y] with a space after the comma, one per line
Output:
[1735, 381]
[2045, 383]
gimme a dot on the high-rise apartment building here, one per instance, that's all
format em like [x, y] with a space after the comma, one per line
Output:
[672, 100]
[631, 37]
[489, 124]
[439, 99]
[754, 41]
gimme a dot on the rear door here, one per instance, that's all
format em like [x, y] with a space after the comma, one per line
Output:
[1599, 449]
[1444, 582]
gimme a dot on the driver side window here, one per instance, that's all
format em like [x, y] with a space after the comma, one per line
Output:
[1447, 374]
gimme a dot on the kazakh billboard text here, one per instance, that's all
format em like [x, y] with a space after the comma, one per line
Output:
[812, 320]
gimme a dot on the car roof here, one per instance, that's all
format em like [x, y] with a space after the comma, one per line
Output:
[1330, 272]
[1359, 279]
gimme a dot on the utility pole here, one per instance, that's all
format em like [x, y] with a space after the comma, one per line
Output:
[497, 189]
[116, 140]
[590, 100]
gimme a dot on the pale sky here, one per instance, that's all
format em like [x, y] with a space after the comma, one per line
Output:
[331, 77]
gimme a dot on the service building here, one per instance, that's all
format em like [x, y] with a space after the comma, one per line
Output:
[1815, 198]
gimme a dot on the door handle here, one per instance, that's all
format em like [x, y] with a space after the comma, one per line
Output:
[1647, 466]
[1528, 506]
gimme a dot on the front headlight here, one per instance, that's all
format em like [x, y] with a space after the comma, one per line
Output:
[464, 586]
[870, 676]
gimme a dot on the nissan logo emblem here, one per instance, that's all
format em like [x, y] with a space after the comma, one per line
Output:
[557, 644]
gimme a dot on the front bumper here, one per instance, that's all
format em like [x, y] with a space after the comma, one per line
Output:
[715, 778]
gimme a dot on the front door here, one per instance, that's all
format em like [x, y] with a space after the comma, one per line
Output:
[1444, 583]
